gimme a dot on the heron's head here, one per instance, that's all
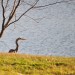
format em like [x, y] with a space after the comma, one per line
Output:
[21, 38]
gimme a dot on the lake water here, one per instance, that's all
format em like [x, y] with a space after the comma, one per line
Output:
[54, 34]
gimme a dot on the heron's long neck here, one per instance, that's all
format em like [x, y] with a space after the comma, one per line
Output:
[16, 49]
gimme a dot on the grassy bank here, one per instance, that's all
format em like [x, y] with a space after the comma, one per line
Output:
[19, 64]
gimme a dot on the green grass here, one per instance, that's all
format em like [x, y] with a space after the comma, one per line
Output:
[20, 64]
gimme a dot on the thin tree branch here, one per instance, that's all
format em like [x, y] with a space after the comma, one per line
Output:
[31, 18]
[13, 7]
[51, 3]
[6, 4]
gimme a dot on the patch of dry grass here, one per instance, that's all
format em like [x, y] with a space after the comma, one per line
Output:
[21, 64]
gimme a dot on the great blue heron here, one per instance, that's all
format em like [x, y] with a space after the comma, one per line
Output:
[17, 46]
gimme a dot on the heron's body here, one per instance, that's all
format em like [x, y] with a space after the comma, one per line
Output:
[12, 51]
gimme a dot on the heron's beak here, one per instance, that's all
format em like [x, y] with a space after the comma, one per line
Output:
[24, 39]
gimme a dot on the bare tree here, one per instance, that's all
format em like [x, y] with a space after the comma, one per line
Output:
[10, 7]
[7, 20]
